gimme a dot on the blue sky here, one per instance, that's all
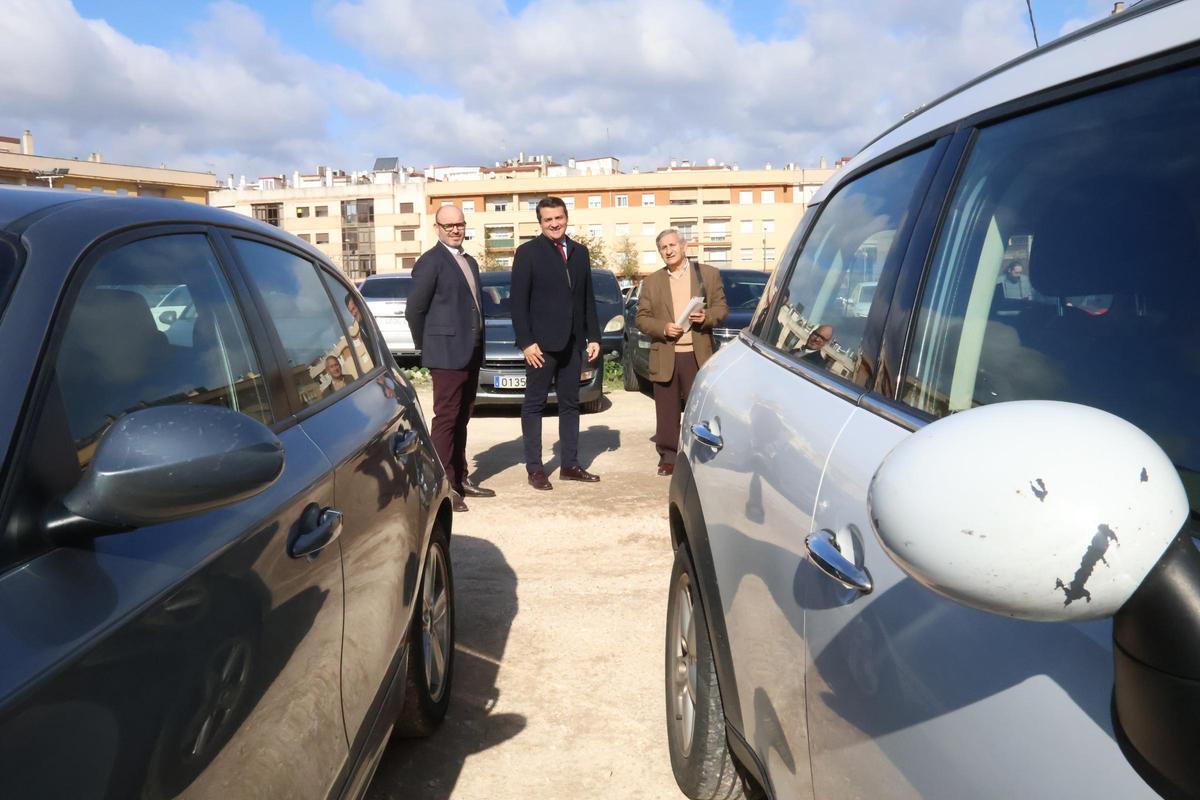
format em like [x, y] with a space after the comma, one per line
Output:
[270, 86]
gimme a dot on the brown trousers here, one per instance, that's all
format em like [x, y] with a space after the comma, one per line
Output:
[453, 401]
[669, 399]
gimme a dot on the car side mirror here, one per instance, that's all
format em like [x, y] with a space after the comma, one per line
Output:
[1036, 509]
[168, 462]
[168, 317]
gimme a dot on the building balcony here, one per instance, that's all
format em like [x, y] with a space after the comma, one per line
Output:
[498, 243]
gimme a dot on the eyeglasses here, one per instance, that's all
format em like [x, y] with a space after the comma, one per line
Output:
[453, 226]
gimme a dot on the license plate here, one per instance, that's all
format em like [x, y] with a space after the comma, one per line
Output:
[508, 382]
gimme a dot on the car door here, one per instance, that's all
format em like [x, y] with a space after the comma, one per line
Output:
[199, 655]
[368, 427]
[772, 414]
[911, 694]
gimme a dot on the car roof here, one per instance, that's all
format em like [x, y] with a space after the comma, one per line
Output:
[403, 273]
[1145, 29]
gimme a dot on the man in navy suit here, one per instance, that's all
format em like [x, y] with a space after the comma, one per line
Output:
[554, 316]
[444, 313]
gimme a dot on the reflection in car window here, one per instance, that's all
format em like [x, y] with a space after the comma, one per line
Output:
[359, 329]
[743, 291]
[8, 272]
[320, 359]
[1069, 271]
[496, 289]
[117, 356]
[605, 288]
[817, 321]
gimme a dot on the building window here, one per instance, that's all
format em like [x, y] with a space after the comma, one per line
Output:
[717, 232]
[687, 230]
[304, 237]
[768, 197]
[322, 238]
[768, 254]
[267, 212]
[716, 256]
[301, 212]
[768, 226]
[648, 199]
[622, 201]
[469, 234]
[532, 202]
[358, 212]
[593, 201]
[408, 234]
[747, 226]
[570, 230]
[621, 229]
[321, 211]
[648, 229]
[570, 203]
[649, 256]
[499, 205]
[358, 266]
[595, 231]
[468, 206]
[447, 203]
[746, 254]
[746, 198]
[408, 262]
[504, 261]
[406, 208]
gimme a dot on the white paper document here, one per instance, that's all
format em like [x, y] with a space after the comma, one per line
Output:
[682, 320]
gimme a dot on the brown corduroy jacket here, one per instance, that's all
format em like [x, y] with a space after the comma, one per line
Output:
[655, 311]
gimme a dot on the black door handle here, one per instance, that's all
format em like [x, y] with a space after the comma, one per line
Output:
[315, 530]
[404, 442]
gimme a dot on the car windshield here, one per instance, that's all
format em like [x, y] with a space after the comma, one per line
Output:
[604, 285]
[743, 291]
[390, 288]
[496, 290]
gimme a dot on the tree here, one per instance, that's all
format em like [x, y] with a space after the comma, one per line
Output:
[626, 259]
[489, 263]
[595, 246]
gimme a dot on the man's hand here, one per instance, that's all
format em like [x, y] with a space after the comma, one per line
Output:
[533, 355]
[593, 350]
[697, 316]
[674, 331]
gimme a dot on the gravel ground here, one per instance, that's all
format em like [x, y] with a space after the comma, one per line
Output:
[561, 600]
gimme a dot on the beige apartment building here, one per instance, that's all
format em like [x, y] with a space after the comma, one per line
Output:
[730, 217]
[21, 166]
[366, 222]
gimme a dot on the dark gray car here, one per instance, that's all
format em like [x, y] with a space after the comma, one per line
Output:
[224, 556]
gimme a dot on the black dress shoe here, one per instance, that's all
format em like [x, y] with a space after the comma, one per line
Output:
[456, 501]
[666, 469]
[577, 474]
[473, 490]
[538, 480]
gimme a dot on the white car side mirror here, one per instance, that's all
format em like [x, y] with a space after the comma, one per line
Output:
[1036, 509]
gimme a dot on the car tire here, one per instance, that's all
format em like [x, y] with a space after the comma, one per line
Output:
[629, 377]
[431, 656]
[700, 756]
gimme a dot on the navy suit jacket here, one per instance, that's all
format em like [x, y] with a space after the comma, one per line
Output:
[551, 301]
[440, 311]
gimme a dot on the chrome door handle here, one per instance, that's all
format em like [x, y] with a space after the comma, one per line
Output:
[405, 443]
[827, 556]
[701, 431]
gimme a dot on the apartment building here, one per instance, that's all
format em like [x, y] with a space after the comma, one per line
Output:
[365, 222]
[730, 217]
[21, 166]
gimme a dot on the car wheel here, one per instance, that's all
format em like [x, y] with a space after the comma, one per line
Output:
[592, 406]
[431, 660]
[700, 757]
[629, 377]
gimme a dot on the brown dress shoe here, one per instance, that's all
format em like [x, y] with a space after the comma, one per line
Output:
[666, 469]
[457, 502]
[538, 480]
[470, 489]
[577, 474]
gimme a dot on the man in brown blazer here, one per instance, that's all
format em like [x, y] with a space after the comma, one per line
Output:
[676, 355]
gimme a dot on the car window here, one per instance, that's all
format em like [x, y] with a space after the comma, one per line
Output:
[390, 288]
[742, 292]
[355, 320]
[816, 323]
[605, 288]
[117, 357]
[320, 359]
[1070, 270]
[496, 299]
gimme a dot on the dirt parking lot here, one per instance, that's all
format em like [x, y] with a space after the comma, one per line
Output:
[558, 675]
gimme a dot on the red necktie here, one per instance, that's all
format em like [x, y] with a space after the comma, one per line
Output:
[562, 248]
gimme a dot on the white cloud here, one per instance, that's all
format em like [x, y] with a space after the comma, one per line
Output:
[644, 81]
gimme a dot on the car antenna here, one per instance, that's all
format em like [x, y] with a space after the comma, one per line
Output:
[1032, 24]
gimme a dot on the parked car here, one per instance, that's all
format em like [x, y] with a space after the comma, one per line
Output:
[955, 556]
[224, 558]
[387, 297]
[743, 288]
[610, 308]
[502, 376]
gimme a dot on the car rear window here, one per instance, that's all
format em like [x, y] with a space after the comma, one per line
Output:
[386, 288]
[743, 291]
[605, 287]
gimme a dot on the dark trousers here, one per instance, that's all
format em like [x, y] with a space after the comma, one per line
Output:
[669, 399]
[453, 401]
[563, 369]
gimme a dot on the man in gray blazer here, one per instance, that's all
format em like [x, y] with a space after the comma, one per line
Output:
[445, 315]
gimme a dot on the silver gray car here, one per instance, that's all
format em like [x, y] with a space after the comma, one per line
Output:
[945, 548]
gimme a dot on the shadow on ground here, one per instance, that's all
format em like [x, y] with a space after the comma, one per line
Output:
[485, 592]
[593, 440]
